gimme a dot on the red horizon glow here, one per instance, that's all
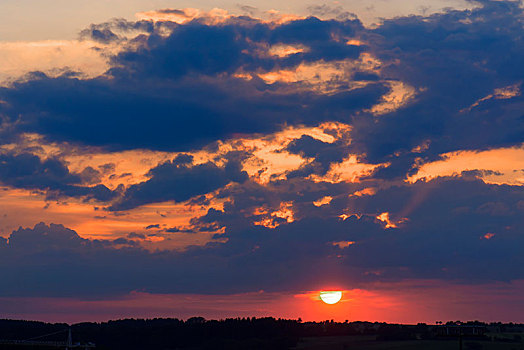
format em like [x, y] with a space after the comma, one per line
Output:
[407, 303]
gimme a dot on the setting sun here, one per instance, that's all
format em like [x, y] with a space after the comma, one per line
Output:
[331, 297]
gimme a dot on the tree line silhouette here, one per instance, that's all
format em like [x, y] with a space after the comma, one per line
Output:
[198, 333]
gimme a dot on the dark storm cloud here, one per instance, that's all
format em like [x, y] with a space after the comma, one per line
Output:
[323, 153]
[191, 48]
[166, 115]
[443, 239]
[319, 36]
[457, 58]
[51, 176]
[26, 170]
[179, 181]
[177, 92]
[43, 237]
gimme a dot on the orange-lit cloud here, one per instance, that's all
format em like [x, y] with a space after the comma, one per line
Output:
[323, 201]
[24, 208]
[285, 212]
[368, 191]
[354, 42]
[343, 244]
[212, 17]
[488, 235]
[400, 95]
[182, 16]
[350, 170]
[385, 218]
[346, 216]
[126, 167]
[325, 77]
[267, 161]
[503, 165]
[283, 50]
[503, 93]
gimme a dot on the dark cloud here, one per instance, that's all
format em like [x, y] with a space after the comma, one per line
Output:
[103, 35]
[191, 48]
[117, 29]
[179, 181]
[90, 175]
[183, 159]
[444, 239]
[178, 92]
[323, 153]
[43, 237]
[29, 171]
[440, 231]
[169, 117]
[319, 36]
[457, 58]
[50, 176]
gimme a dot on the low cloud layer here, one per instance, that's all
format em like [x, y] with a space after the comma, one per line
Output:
[450, 229]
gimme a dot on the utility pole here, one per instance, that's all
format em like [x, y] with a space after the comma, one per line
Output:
[69, 343]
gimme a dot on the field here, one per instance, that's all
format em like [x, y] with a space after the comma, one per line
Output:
[499, 342]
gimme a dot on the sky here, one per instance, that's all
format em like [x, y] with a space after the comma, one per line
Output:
[217, 159]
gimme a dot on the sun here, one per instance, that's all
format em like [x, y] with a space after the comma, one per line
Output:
[331, 297]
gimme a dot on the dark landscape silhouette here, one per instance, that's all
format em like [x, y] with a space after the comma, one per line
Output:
[264, 333]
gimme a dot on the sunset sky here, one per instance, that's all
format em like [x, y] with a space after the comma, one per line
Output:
[214, 158]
